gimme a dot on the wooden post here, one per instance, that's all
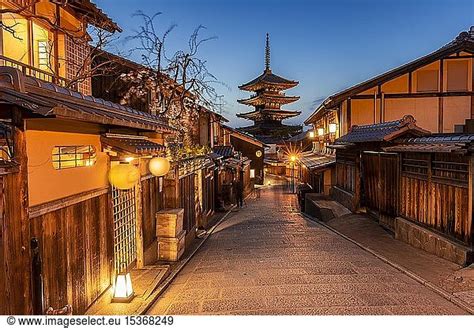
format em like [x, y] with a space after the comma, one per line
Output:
[139, 227]
[470, 216]
[16, 228]
[440, 99]
[37, 278]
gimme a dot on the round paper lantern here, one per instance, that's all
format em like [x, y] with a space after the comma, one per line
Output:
[258, 153]
[124, 176]
[159, 166]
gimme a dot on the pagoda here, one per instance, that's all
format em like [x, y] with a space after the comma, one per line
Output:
[267, 100]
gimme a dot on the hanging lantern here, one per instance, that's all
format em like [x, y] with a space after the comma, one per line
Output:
[332, 127]
[123, 291]
[311, 134]
[159, 166]
[124, 176]
[320, 132]
[258, 153]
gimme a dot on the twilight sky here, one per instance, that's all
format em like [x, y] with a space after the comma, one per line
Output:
[325, 45]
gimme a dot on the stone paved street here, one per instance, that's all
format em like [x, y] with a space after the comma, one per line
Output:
[267, 259]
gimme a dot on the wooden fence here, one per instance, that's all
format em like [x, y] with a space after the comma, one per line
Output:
[77, 251]
[434, 192]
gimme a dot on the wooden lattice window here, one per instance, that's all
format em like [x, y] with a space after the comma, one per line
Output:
[64, 157]
[416, 164]
[125, 218]
[450, 168]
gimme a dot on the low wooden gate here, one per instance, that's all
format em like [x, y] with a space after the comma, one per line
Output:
[380, 179]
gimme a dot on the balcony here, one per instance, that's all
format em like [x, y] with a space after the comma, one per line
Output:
[32, 71]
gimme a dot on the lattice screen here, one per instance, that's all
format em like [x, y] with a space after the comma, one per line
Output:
[76, 53]
[124, 209]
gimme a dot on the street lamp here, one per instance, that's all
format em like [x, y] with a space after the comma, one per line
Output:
[293, 159]
[311, 134]
[332, 127]
[320, 132]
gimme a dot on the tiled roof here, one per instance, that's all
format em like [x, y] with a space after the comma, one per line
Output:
[50, 100]
[132, 144]
[437, 143]
[224, 151]
[380, 132]
[315, 160]
[268, 78]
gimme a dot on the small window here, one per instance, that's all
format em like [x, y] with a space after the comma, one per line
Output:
[457, 75]
[427, 80]
[64, 157]
[43, 55]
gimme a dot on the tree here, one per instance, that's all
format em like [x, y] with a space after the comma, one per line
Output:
[87, 38]
[179, 83]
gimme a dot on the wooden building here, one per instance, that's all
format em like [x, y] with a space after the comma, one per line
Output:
[251, 148]
[415, 183]
[56, 187]
[58, 147]
[436, 89]
[267, 101]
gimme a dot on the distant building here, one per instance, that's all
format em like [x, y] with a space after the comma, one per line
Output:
[267, 100]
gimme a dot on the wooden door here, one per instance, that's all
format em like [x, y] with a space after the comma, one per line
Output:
[380, 177]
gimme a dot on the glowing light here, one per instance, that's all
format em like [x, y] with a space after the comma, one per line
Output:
[293, 158]
[124, 176]
[159, 166]
[123, 291]
[332, 127]
[320, 132]
[129, 159]
[252, 173]
[311, 134]
[258, 153]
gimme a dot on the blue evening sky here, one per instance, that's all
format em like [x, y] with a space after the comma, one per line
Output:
[325, 45]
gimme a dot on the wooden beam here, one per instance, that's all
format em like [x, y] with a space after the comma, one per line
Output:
[472, 89]
[410, 82]
[419, 95]
[440, 99]
[139, 227]
[349, 114]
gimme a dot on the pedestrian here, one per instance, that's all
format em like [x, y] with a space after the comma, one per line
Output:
[238, 191]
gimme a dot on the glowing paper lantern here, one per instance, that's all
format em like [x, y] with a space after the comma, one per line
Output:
[124, 176]
[258, 153]
[311, 134]
[159, 166]
[332, 127]
[320, 132]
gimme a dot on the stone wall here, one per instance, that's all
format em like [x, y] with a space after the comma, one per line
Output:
[432, 242]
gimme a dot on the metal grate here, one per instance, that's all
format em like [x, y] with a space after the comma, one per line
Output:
[124, 209]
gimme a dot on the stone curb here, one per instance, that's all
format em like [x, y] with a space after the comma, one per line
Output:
[142, 310]
[440, 291]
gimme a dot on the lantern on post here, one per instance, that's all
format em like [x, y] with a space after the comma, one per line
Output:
[124, 176]
[311, 134]
[320, 132]
[159, 166]
[123, 291]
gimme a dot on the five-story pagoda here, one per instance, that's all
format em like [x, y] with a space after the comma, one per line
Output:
[267, 100]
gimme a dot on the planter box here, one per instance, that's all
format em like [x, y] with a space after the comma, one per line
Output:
[169, 223]
[171, 249]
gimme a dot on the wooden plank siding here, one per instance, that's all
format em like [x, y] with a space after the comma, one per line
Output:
[76, 245]
[152, 202]
[434, 193]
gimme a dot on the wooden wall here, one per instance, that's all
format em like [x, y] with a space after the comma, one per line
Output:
[152, 202]
[76, 245]
[434, 192]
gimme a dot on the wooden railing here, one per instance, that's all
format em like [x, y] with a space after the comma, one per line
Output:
[34, 72]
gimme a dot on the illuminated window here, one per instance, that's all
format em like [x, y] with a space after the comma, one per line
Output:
[64, 157]
[15, 38]
[42, 45]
